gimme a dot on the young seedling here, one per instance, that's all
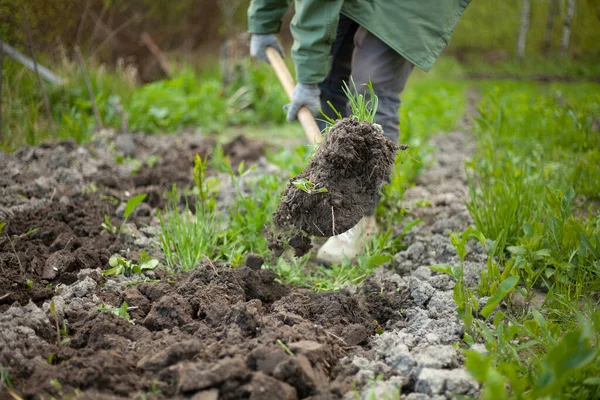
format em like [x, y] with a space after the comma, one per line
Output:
[118, 311]
[62, 336]
[108, 226]
[307, 186]
[123, 266]
[5, 377]
[284, 347]
[130, 207]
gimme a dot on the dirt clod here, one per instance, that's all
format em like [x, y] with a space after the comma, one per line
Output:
[254, 261]
[352, 163]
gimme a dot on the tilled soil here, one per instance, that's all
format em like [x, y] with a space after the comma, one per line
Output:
[216, 332]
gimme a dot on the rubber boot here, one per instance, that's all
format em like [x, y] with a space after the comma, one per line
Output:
[348, 244]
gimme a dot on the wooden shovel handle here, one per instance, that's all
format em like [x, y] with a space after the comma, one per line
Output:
[304, 115]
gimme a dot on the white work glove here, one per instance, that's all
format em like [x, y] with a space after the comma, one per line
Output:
[259, 44]
[304, 95]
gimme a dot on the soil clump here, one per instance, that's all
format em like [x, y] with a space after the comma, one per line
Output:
[350, 166]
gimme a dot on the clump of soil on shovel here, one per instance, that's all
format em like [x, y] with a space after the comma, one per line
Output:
[352, 162]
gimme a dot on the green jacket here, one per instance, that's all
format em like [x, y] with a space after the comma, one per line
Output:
[417, 29]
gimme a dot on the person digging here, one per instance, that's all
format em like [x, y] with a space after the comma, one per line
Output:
[335, 41]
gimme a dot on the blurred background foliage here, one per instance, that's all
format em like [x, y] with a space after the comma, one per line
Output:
[111, 28]
[211, 84]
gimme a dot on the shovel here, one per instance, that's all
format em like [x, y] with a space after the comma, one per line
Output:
[304, 115]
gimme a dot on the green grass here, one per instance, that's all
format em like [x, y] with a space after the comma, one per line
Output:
[188, 237]
[534, 191]
[190, 98]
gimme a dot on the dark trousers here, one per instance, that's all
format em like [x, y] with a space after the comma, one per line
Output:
[361, 55]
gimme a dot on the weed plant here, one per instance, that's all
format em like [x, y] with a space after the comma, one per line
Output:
[187, 99]
[534, 186]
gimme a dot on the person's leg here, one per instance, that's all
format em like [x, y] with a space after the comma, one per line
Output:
[374, 61]
[388, 71]
[341, 53]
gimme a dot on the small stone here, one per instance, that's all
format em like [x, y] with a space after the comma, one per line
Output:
[266, 388]
[401, 359]
[254, 261]
[422, 273]
[437, 357]
[460, 382]
[415, 251]
[430, 381]
[420, 291]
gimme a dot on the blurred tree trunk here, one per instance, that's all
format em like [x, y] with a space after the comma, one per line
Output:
[525, 14]
[567, 26]
[549, 26]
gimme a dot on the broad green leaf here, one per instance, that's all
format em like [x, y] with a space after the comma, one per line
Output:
[114, 261]
[542, 253]
[132, 203]
[498, 317]
[518, 250]
[151, 264]
[377, 259]
[444, 268]
[528, 229]
[480, 367]
[118, 270]
[573, 352]
[503, 290]
[2, 225]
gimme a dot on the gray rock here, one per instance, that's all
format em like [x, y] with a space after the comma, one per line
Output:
[449, 382]
[422, 273]
[388, 389]
[459, 382]
[441, 305]
[420, 291]
[437, 356]
[415, 251]
[431, 381]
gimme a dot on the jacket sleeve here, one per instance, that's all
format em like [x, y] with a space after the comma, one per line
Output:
[265, 16]
[314, 29]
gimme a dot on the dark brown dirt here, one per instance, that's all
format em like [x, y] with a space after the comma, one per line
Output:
[352, 163]
[49, 245]
[217, 329]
